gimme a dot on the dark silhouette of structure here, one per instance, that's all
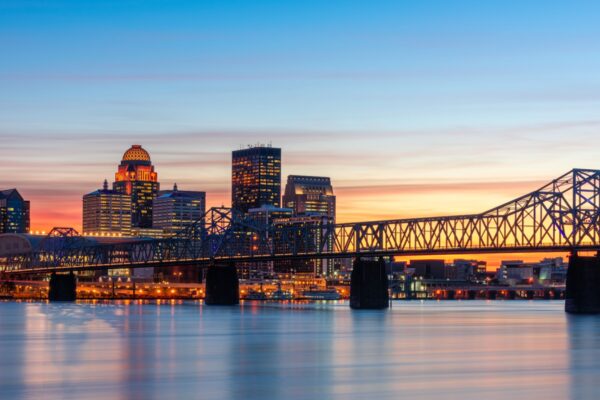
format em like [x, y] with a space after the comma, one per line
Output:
[14, 212]
[563, 215]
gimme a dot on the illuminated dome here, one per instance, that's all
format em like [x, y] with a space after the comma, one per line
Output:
[136, 153]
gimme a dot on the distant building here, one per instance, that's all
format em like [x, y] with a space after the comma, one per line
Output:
[175, 209]
[429, 269]
[14, 212]
[136, 177]
[267, 214]
[256, 178]
[465, 270]
[547, 271]
[551, 270]
[308, 195]
[106, 211]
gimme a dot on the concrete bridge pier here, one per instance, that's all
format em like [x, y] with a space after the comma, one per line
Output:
[369, 285]
[583, 280]
[222, 285]
[62, 287]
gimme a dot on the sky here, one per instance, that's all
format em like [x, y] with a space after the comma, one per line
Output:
[413, 108]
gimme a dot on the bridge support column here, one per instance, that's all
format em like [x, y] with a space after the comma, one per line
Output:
[583, 280]
[408, 287]
[62, 287]
[222, 285]
[369, 285]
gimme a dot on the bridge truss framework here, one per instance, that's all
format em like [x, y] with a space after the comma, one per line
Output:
[563, 215]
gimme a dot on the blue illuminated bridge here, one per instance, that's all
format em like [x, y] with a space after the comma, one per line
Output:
[563, 215]
[560, 216]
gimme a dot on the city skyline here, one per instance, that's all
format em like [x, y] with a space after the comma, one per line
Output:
[412, 109]
[492, 259]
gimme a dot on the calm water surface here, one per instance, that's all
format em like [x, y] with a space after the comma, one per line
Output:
[418, 350]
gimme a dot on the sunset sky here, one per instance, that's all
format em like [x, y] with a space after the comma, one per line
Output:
[412, 108]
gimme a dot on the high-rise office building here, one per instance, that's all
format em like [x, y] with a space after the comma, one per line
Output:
[106, 212]
[14, 212]
[310, 195]
[256, 178]
[175, 209]
[137, 178]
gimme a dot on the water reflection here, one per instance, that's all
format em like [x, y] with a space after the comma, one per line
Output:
[474, 349]
[584, 351]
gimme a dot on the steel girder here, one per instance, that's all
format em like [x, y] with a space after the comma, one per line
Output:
[562, 215]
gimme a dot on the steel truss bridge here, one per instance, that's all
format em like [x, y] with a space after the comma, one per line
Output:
[563, 215]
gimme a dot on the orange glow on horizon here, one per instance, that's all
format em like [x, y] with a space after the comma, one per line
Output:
[354, 203]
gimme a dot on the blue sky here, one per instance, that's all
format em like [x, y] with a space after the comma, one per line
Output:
[388, 98]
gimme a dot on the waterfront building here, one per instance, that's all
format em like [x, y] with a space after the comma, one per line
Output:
[428, 269]
[256, 178]
[14, 212]
[136, 177]
[308, 195]
[466, 270]
[549, 271]
[106, 212]
[176, 209]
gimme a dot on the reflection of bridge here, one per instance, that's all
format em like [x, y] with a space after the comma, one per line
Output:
[561, 216]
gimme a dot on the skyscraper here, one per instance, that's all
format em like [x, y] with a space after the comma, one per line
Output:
[136, 177]
[256, 178]
[175, 209]
[14, 212]
[106, 211]
[310, 195]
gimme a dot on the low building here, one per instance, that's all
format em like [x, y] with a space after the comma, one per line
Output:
[466, 270]
[428, 269]
[153, 233]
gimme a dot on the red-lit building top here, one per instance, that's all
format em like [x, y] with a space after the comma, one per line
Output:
[137, 178]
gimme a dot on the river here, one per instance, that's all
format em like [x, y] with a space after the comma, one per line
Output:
[185, 350]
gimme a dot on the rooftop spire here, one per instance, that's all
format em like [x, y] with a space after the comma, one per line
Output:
[175, 187]
[105, 185]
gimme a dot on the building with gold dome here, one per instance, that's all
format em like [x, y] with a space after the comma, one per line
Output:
[136, 177]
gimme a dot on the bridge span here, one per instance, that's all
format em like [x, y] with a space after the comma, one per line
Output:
[563, 215]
